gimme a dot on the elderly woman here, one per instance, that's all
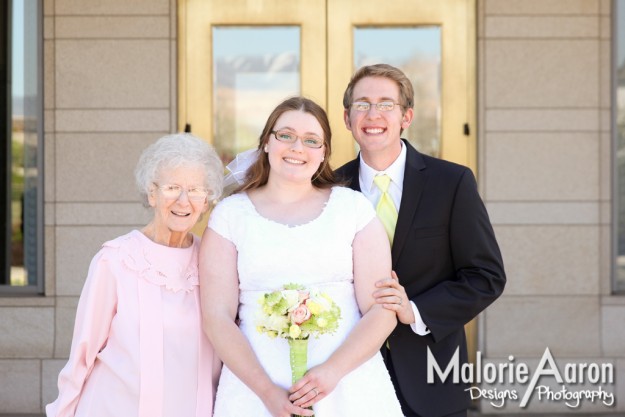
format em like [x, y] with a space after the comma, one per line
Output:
[138, 348]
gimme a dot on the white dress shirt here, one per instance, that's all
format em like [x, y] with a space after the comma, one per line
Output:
[396, 172]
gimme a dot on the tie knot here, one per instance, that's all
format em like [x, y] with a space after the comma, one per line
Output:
[382, 182]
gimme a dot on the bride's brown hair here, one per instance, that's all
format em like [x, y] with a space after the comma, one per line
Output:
[258, 173]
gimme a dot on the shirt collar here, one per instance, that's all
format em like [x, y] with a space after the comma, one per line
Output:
[395, 171]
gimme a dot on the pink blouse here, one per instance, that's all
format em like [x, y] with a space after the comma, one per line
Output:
[138, 347]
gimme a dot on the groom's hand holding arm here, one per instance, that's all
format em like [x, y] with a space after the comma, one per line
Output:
[392, 296]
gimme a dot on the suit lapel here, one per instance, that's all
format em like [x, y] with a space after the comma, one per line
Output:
[414, 182]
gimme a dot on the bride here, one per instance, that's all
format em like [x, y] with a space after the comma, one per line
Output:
[290, 223]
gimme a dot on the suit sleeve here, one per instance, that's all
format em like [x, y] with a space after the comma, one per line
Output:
[479, 273]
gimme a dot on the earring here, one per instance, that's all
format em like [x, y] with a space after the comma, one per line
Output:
[266, 150]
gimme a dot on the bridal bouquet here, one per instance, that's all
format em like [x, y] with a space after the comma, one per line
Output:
[295, 313]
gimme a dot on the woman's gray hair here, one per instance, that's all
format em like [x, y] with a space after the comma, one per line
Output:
[176, 150]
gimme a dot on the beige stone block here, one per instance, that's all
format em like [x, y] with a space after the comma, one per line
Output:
[113, 120]
[131, 214]
[481, 120]
[605, 74]
[613, 330]
[65, 318]
[542, 73]
[99, 167]
[605, 210]
[20, 380]
[481, 19]
[48, 27]
[539, 402]
[605, 167]
[49, 160]
[27, 332]
[75, 247]
[620, 385]
[606, 259]
[49, 214]
[48, 74]
[48, 7]
[606, 120]
[125, 74]
[50, 262]
[613, 300]
[547, 213]
[173, 91]
[543, 120]
[501, 27]
[541, 7]
[34, 301]
[526, 325]
[50, 369]
[542, 166]
[128, 27]
[112, 7]
[606, 27]
[49, 121]
[173, 19]
[556, 260]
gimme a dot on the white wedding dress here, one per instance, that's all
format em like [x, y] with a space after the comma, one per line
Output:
[315, 254]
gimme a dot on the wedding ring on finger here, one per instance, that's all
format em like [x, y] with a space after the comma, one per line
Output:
[316, 392]
[400, 300]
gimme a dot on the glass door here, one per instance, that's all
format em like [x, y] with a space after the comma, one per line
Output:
[434, 43]
[239, 59]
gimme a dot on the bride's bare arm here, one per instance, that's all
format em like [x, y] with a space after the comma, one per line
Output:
[219, 290]
[372, 261]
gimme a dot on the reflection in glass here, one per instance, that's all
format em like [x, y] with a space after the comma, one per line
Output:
[254, 68]
[417, 52]
[22, 157]
[619, 281]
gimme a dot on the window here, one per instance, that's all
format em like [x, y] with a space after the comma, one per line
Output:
[421, 63]
[255, 68]
[21, 127]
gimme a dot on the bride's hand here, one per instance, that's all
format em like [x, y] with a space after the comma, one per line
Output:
[318, 382]
[277, 402]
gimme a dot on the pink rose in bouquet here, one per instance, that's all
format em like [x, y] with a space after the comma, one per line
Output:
[300, 314]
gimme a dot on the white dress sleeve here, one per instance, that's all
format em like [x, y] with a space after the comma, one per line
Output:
[221, 217]
[363, 211]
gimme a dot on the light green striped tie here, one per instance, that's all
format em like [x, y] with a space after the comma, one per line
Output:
[386, 211]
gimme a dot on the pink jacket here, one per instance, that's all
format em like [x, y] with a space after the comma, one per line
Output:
[138, 348]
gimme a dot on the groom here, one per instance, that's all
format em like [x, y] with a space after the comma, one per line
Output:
[443, 246]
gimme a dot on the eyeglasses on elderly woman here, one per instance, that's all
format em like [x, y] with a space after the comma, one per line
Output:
[173, 191]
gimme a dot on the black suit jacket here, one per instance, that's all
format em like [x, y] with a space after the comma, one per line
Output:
[446, 256]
